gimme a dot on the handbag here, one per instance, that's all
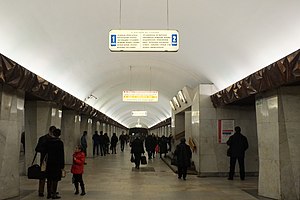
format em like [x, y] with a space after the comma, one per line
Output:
[63, 173]
[132, 158]
[34, 171]
[174, 161]
[143, 160]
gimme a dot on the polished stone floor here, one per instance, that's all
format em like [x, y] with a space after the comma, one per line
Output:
[113, 177]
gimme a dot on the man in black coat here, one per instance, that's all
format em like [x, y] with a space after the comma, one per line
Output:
[55, 163]
[149, 143]
[238, 144]
[137, 149]
[41, 148]
[183, 155]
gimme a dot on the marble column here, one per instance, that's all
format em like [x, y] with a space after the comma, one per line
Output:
[210, 155]
[70, 133]
[278, 125]
[101, 126]
[12, 124]
[86, 125]
[39, 116]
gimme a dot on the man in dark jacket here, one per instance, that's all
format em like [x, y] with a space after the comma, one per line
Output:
[137, 149]
[149, 143]
[238, 144]
[96, 144]
[83, 142]
[55, 163]
[183, 155]
[40, 148]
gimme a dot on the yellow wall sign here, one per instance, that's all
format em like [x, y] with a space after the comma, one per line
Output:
[140, 96]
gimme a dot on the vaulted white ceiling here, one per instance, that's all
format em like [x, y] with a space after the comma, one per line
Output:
[221, 42]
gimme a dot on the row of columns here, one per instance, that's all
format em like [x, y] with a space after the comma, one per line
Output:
[164, 130]
[35, 118]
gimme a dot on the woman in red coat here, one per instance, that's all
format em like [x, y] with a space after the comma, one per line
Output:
[77, 169]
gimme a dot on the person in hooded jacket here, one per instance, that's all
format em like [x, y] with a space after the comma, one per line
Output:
[183, 154]
[77, 169]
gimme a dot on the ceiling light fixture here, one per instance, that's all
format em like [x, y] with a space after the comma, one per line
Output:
[176, 101]
[172, 105]
[182, 97]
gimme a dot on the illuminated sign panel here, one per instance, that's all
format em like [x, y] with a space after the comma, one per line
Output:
[138, 113]
[140, 96]
[143, 40]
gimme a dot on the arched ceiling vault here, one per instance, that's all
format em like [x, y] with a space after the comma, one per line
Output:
[66, 43]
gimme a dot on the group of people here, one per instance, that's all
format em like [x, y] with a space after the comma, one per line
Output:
[237, 143]
[182, 152]
[103, 143]
[51, 149]
[52, 153]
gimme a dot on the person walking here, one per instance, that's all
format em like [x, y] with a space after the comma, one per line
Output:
[40, 148]
[149, 143]
[113, 143]
[55, 163]
[122, 139]
[183, 155]
[163, 146]
[137, 149]
[77, 169]
[238, 144]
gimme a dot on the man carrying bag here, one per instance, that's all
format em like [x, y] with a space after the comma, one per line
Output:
[40, 148]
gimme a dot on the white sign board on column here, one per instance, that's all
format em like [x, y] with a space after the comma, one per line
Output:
[144, 40]
[225, 130]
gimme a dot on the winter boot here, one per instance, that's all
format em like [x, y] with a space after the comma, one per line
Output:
[76, 188]
[82, 189]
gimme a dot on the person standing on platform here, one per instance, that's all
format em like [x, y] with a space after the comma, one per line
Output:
[55, 163]
[137, 149]
[238, 144]
[95, 144]
[183, 155]
[23, 140]
[40, 148]
[106, 143]
[83, 142]
[102, 144]
[77, 169]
